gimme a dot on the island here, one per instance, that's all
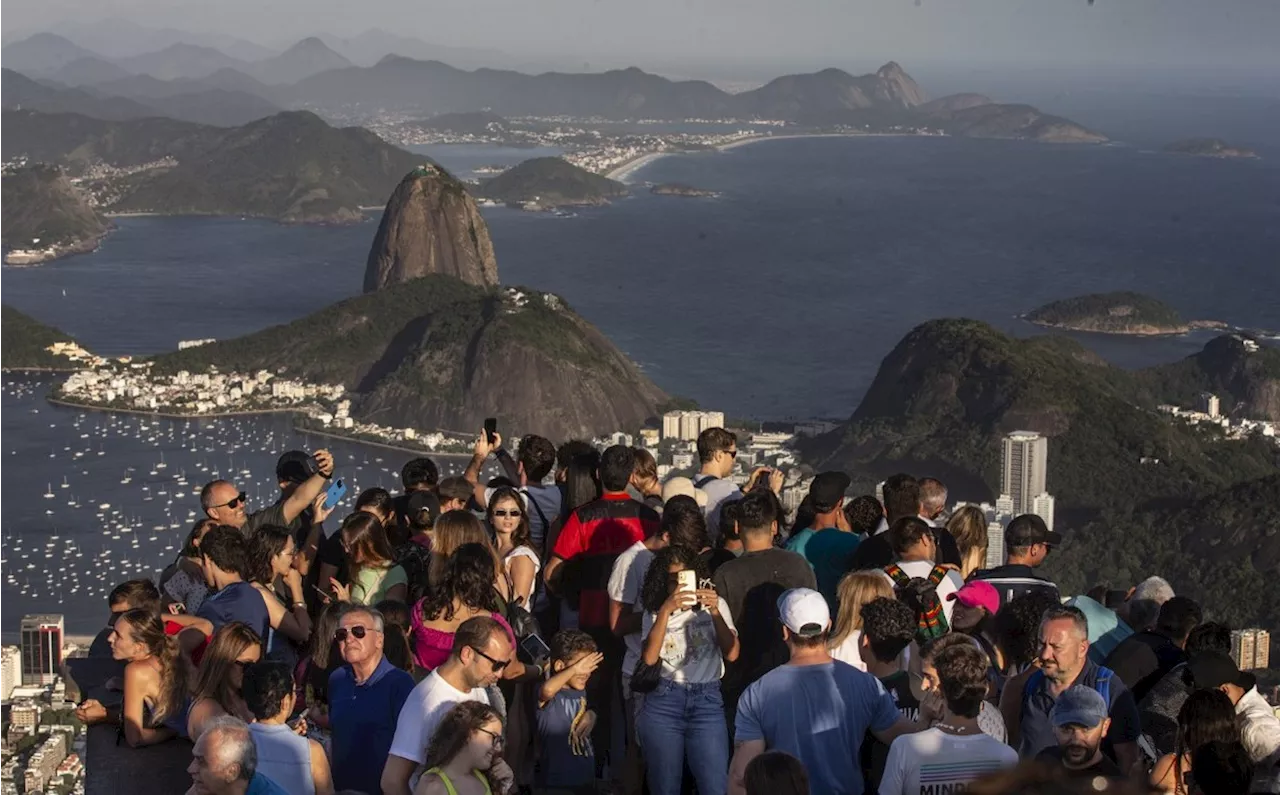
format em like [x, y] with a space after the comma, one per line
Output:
[1116, 313]
[677, 189]
[1209, 147]
[545, 183]
[46, 217]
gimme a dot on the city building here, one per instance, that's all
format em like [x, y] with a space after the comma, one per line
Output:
[26, 716]
[686, 425]
[41, 648]
[1042, 506]
[1210, 404]
[10, 670]
[1251, 648]
[995, 545]
[1022, 473]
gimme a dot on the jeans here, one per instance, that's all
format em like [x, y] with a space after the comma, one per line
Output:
[679, 721]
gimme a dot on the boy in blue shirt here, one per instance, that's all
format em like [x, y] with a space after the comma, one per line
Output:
[568, 762]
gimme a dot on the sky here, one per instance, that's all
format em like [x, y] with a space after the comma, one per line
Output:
[651, 33]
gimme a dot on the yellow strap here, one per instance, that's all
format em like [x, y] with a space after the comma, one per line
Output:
[448, 785]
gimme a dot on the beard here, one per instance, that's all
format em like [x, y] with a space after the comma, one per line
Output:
[1077, 754]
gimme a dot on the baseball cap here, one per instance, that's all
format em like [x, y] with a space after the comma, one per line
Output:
[1212, 669]
[679, 486]
[977, 593]
[1027, 530]
[418, 501]
[1080, 706]
[295, 466]
[827, 489]
[804, 611]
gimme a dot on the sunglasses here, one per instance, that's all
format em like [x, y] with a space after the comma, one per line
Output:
[513, 514]
[499, 742]
[358, 632]
[498, 665]
[234, 503]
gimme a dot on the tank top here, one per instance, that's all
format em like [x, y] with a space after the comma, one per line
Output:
[448, 785]
[283, 757]
[431, 647]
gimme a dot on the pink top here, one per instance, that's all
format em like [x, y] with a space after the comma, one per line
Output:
[431, 647]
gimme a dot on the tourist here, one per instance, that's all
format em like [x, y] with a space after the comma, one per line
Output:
[226, 505]
[955, 750]
[1064, 661]
[224, 555]
[454, 530]
[155, 681]
[968, 525]
[1142, 659]
[1028, 541]
[782, 710]
[225, 762]
[775, 773]
[1142, 608]
[915, 551]
[831, 548]
[294, 468]
[1259, 726]
[221, 676]
[1206, 716]
[366, 693]
[372, 572]
[856, 590]
[751, 587]
[1079, 719]
[580, 481]
[482, 650]
[510, 523]
[689, 635]
[1224, 769]
[924, 671]
[1106, 629]
[455, 494]
[413, 554]
[888, 628]
[974, 614]
[826, 501]
[717, 456]
[379, 502]
[644, 479]
[933, 501]
[289, 759]
[183, 582]
[417, 476]
[536, 457]
[863, 515]
[128, 595]
[465, 591]
[901, 500]
[565, 719]
[683, 487]
[1159, 710]
[333, 552]
[320, 659]
[728, 544]
[1018, 637]
[461, 756]
[272, 552]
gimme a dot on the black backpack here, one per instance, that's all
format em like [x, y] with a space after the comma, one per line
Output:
[921, 595]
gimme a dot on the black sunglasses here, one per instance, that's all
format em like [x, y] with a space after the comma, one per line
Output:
[513, 513]
[499, 742]
[358, 632]
[233, 503]
[498, 665]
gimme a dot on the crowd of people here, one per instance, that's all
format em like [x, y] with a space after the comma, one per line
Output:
[574, 625]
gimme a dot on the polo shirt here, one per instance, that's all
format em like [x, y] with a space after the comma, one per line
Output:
[261, 785]
[593, 537]
[1037, 730]
[241, 602]
[363, 717]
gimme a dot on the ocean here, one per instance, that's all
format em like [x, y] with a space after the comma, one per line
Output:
[776, 300]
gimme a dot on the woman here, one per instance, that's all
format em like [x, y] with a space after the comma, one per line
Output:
[271, 554]
[286, 757]
[690, 635]
[856, 589]
[1206, 716]
[974, 614]
[322, 658]
[413, 550]
[925, 683]
[217, 690]
[969, 526]
[453, 530]
[775, 773]
[515, 546]
[465, 591]
[372, 573]
[380, 503]
[183, 582]
[155, 679]
[462, 751]
[397, 621]
[644, 478]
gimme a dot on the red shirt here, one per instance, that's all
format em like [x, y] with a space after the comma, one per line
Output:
[592, 538]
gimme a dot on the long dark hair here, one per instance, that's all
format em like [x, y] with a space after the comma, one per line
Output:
[321, 647]
[380, 500]
[468, 578]
[267, 542]
[521, 536]
[455, 730]
[1206, 716]
[581, 482]
[775, 773]
[366, 541]
[148, 630]
[214, 679]
[655, 589]
[191, 547]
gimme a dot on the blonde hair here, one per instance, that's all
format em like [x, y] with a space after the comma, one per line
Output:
[969, 526]
[856, 589]
[452, 530]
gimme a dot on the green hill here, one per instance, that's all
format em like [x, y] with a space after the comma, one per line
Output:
[1245, 378]
[550, 181]
[1111, 313]
[23, 340]
[45, 216]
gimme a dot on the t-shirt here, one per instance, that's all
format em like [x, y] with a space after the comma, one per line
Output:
[690, 653]
[1103, 767]
[271, 515]
[800, 541]
[590, 542]
[241, 602]
[1037, 731]
[363, 717]
[875, 754]
[1142, 659]
[562, 765]
[1014, 580]
[949, 584]
[713, 559]
[523, 551]
[625, 582]
[849, 652]
[819, 714]
[933, 762]
[718, 490]
[544, 507]
[831, 552]
[429, 702]
[371, 584]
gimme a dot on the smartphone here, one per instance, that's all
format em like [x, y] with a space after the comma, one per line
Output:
[334, 493]
[687, 580]
[491, 429]
[535, 647]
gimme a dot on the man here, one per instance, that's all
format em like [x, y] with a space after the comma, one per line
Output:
[901, 500]
[418, 474]
[482, 650]
[1259, 726]
[225, 504]
[1142, 659]
[915, 552]
[933, 500]
[224, 556]
[455, 494]
[751, 586]
[1064, 663]
[831, 545]
[365, 698]
[1028, 541]
[1159, 710]
[1080, 721]
[888, 627]
[729, 544]
[224, 761]
[1142, 608]
[717, 455]
[813, 707]
[826, 498]
[130, 595]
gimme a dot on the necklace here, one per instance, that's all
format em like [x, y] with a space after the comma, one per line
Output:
[949, 727]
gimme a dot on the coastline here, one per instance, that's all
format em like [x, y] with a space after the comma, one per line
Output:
[629, 167]
[385, 446]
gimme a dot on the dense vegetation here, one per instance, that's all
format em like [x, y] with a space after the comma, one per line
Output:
[1247, 382]
[41, 209]
[23, 340]
[550, 181]
[1113, 313]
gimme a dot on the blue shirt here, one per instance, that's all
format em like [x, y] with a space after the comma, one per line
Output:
[798, 542]
[241, 602]
[819, 714]
[363, 717]
[1037, 731]
[261, 785]
[830, 553]
[561, 766]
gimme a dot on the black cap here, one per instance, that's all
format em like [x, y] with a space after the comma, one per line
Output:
[416, 502]
[1028, 530]
[295, 466]
[827, 490]
[1212, 669]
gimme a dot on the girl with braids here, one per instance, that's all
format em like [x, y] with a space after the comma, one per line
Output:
[217, 690]
[510, 525]
[462, 751]
[155, 679]
[1206, 716]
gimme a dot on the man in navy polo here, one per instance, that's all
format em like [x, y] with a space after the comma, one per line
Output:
[365, 697]
[1064, 662]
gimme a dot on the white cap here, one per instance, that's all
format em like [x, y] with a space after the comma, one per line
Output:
[804, 611]
[678, 486]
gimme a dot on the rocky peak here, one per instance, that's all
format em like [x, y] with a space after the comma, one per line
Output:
[431, 226]
[898, 85]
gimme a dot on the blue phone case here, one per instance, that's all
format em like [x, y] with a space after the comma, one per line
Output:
[334, 493]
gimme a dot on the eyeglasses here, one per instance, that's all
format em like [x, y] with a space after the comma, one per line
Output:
[499, 742]
[239, 500]
[732, 453]
[358, 632]
[513, 514]
[498, 665]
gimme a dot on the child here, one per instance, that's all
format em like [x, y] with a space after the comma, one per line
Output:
[567, 762]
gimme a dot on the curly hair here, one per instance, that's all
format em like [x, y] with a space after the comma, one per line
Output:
[266, 686]
[889, 626]
[864, 514]
[962, 675]
[467, 580]
[655, 590]
[1018, 629]
[267, 542]
[521, 537]
[455, 731]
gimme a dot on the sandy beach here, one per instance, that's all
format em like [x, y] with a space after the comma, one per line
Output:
[630, 167]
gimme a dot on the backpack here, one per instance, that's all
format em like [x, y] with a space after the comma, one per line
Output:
[1102, 684]
[921, 595]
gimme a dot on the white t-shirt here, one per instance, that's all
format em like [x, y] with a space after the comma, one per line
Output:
[949, 584]
[524, 552]
[932, 762]
[848, 652]
[422, 712]
[625, 582]
[718, 490]
[690, 652]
